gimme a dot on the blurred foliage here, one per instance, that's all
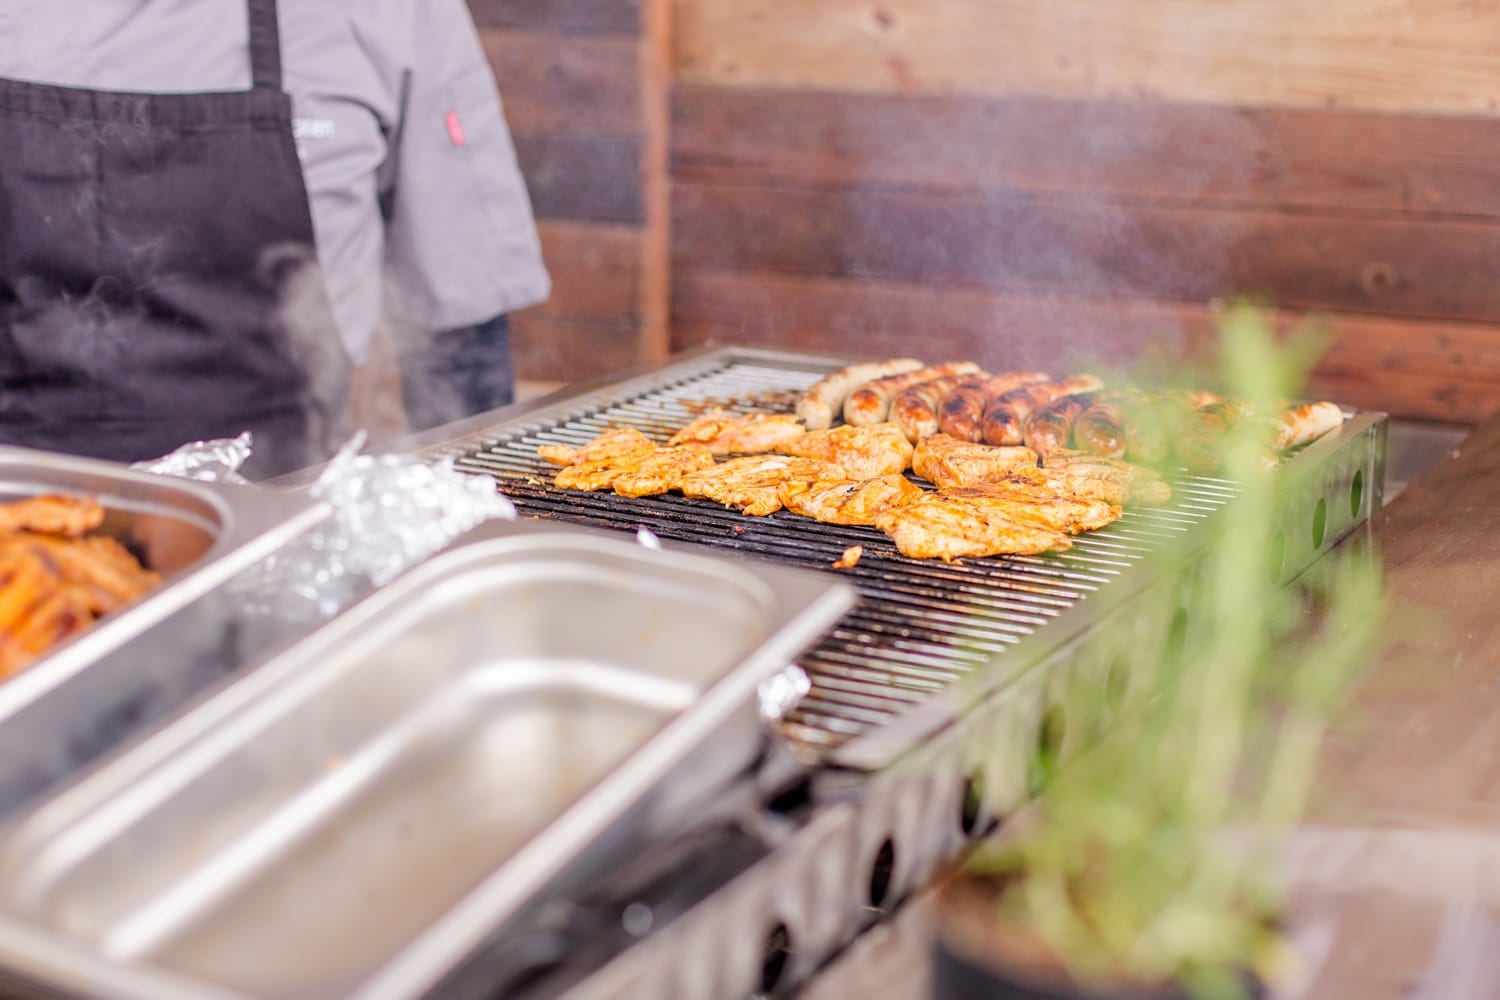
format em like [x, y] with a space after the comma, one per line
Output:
[1147, 855]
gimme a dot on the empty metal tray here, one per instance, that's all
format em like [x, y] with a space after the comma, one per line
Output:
[358, 814]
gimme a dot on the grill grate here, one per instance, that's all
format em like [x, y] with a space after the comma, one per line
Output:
[919, 625]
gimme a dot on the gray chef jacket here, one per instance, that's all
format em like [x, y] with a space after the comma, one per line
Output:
[419, 208]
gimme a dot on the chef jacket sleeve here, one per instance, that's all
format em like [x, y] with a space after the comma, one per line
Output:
[461, 240]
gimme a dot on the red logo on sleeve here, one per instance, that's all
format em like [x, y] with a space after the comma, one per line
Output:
[455, 128]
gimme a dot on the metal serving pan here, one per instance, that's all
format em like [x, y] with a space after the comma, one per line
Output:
[362, 811]
[92, 690]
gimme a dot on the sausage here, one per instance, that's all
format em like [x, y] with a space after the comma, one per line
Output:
[1150, 424]
[825, 398]
[1200, 440]
[961, 412]
[1004, 419]
[1100, 430]
[1050, 428]
[871, 402]
[915, 411]
[1299, 425]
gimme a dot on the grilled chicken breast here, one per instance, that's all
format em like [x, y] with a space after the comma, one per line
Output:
[660, 471]
[599, 463]
[945, 461]
[52, 515]
[609, 445]
[935, 526]
[1027, 503]
[841, 500]
[824, 400]
[753, 483]
[743, 434]
[1095, 477]
[864, 452]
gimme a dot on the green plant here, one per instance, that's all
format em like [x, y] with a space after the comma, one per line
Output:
[1146, 855]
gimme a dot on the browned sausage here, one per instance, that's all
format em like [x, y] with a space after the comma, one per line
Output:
[961, 412]
[1297, 425]
[915, 411]
[1100, 430]
[1050, 429]
[1150, 424]
[824, 399]
[1200, 440]
[1004, 419]
[871, 402]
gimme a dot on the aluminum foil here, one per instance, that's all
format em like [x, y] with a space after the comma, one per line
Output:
[206, 461]
[387, 513]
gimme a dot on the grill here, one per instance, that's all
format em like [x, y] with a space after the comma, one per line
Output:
[920, 625]
[895, 789]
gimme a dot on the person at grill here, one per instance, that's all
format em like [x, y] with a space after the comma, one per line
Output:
[207, 210]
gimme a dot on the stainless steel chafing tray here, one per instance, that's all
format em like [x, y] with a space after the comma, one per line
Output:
[360, 812]
[98, 687]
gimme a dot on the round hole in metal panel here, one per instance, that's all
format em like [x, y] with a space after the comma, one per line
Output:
[1276, 555]
[882, 873]
[1320, 522]
[971, 806]
[1357, 493]
[777, 956]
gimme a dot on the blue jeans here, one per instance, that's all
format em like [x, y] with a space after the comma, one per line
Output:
[457, 373]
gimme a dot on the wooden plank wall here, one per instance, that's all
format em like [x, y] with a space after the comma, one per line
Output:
[585, 100]
[1034, 184]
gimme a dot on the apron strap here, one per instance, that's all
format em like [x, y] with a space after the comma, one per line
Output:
[265, 46]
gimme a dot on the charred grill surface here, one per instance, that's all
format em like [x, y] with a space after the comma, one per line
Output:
[920, 624]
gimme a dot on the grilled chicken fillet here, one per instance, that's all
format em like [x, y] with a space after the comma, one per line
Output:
[1027, 503]
[935, 526]
[52, 515]
[744, 434]
[848, 501]
[946, 462]
[1095, 477]
[660, 471]
[864, 452]
[753, 483]
[609, 445]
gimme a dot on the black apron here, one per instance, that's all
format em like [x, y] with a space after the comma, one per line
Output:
[158, 277]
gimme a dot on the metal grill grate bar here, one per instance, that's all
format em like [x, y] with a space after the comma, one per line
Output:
[920, 624]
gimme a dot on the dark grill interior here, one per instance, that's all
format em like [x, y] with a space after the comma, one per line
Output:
[920, 624]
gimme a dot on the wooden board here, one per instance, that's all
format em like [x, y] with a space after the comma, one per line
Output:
[1409, 55]
[584, 178]
[550, 348]
[583, 17]
[1211, 155]
[1095, 248]
[552, 83]
[595, 269]
[1436, 371]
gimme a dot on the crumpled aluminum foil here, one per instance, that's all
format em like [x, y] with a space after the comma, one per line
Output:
[388, 512]
[206, 461]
